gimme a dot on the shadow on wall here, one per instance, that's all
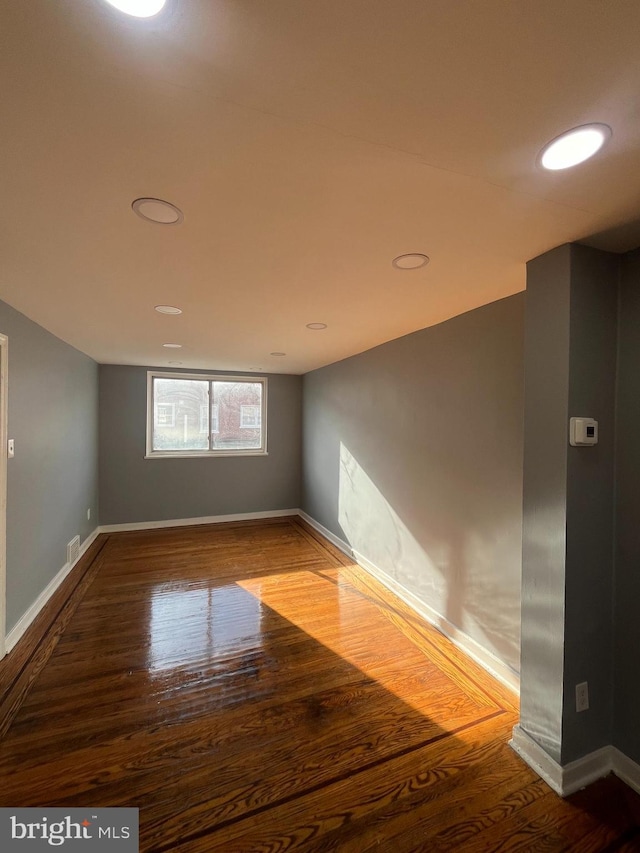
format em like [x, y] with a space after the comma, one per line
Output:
[456, 577]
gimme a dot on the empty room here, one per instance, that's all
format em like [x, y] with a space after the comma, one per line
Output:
[319, 370]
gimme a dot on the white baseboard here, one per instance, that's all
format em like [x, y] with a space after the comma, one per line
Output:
[488, 661]
[335, 540]
[626, 769]
[538, 760]
[577, 774]
[189, 522]
[563, 780]
[19, 629]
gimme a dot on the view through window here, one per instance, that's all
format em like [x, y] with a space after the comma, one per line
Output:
[201, 415]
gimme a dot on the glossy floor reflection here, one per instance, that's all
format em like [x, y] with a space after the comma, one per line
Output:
[188, 626]
[249, 690]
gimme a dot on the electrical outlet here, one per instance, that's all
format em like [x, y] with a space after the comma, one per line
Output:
[582, 696]
[89, 514]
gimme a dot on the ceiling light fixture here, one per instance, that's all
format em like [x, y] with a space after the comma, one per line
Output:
[158, 211]
[168, 309]
[316, 326]
[573, 147]
[278, 354]
[172, 346]
[139, 8]
[410, 261]
[174, 362]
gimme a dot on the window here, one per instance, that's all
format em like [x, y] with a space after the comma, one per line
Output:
[165, 415]
[249, 417]
[204, 418]
[193, 414]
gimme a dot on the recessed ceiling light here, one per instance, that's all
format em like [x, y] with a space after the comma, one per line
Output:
[316, 326]
[157, 210]
[573, 147]
[168, 309]
[139, 8]
[172, 346]
[410, 261]
[278, 354]
[174, 362]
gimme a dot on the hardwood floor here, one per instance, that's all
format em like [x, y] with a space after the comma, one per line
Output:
[248, 689]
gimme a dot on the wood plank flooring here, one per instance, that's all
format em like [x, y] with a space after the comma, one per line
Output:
[248, 689]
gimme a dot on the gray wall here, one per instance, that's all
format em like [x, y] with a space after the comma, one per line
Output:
[627, 594]
[544, 505]
[413, 455]
[52, 481]
[134, 489]
[568, 535]
[590, 502]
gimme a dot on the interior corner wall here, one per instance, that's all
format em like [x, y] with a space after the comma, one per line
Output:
[568, 519]
[412, 454]
[626, 733]
[135, 489]
[53, 479]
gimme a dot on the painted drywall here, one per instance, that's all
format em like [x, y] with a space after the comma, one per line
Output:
[412, 454]
[626, 733]
[544, 505]
[590, 502]
[567, 581]
[53, 479]
[135, 489]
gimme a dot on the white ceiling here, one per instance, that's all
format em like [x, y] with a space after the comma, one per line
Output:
[307, 144]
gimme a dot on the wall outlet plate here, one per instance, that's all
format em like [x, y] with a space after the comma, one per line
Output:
[582, 696]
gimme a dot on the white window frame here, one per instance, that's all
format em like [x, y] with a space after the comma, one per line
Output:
[213, 452]
[215, 420]
[249, 426]
[173, 414]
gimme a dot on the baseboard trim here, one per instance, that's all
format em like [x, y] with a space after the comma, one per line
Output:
[22, 625]
[20, 669]
[488, 661]
[324, 531]
[626, 769]
[577, 774]
[567, 779]
[190, 522]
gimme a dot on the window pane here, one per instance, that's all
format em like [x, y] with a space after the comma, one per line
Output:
[181, 411]
[239, 415]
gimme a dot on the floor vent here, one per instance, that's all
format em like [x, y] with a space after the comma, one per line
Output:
[73, 550]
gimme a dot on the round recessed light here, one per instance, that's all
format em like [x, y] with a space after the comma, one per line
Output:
[410, 261]
[174, 362]
[172, 346]
[316, 326]
[278, 354]
[573, 147]
[139, 8]
[168, 309]
[158, 211]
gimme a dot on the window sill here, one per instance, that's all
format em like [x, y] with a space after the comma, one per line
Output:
[179, 454]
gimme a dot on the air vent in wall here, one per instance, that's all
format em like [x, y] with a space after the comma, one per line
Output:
[73, 550]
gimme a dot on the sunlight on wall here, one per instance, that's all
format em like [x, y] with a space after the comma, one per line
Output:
[375, 531]
[461, 580]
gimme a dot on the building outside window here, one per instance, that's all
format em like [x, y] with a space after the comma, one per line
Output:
[205, 415]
